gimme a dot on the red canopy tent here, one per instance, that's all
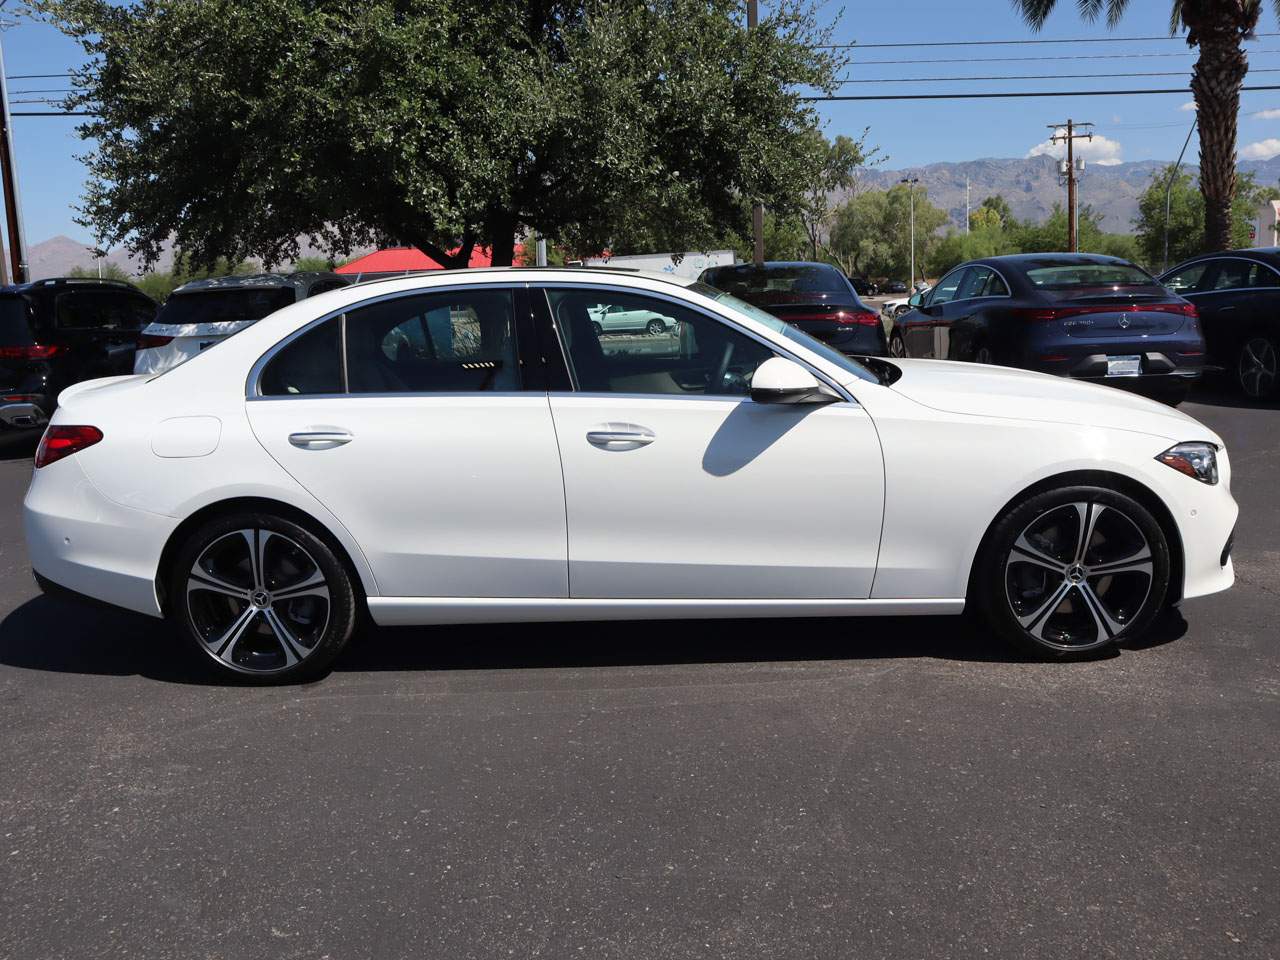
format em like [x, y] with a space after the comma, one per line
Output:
[394, 260]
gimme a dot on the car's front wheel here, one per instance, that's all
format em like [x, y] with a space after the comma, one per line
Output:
[1070, 572]
[655, 327]
[261, 598]
[1258, 367]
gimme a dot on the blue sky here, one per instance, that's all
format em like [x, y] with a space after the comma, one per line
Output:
[908, 133]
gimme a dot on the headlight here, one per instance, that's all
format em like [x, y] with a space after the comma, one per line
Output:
[1198, 460]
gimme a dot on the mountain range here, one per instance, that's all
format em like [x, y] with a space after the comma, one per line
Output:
[1030, 186]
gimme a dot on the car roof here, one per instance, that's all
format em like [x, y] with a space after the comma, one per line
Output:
[257, 281]
[1267, 255]
[529, 274]
[50, 283]
[1025, 259]
[784, 264]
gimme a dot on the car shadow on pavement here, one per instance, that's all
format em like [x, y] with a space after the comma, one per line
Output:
[66, 636]
[19, 446]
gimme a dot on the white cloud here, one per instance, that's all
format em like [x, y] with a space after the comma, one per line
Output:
[1101, 150]
[1189, 106]
[1273, 114]
[1261, 150]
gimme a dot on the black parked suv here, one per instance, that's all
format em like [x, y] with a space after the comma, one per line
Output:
[57, 332]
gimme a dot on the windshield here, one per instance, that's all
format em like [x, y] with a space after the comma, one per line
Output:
[224, 306]
[1069, 275]
[827, 353]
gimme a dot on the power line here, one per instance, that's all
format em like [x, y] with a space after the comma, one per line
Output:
[1001, 43]
[49, 113]
[37, 76]
[1025, 93]
[1036, 76]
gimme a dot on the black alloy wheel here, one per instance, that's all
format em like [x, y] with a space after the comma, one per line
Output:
[1070, 572]
[262, 599]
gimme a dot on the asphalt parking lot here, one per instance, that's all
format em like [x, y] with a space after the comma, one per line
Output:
[805, 789]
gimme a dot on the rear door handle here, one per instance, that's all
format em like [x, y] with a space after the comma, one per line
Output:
[620, 436]
[320, 439]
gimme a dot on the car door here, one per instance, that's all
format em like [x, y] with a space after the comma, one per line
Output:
[407, 417]
[966, 327]
[1219, 288]
[678, 485]
[934, 336]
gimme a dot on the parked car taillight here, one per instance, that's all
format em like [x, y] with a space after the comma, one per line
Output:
[32, 351]
[1049, 314]
[148, 340]
[864, 318]
[61, 441]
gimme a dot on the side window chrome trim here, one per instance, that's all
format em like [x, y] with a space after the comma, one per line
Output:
[253, 381]
[715, 317]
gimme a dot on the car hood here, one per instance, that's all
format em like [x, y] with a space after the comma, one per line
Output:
[989, 391]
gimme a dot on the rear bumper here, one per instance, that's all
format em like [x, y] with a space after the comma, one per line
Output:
[25, 415]
[85, 543]
[1160, 368]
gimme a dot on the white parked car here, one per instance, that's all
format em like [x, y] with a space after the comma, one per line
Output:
[464, 447]
[203, 312]
[612, 318]
[900, 305]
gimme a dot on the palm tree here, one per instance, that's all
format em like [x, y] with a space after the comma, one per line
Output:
[1218, 28]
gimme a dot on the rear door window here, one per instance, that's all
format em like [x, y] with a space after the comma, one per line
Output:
[975, 283]
[16, 317]
[1232, 274]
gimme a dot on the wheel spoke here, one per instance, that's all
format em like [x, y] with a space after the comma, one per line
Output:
[224, 646]
[312, 586]
[201, 579]
[288, 642]
[1023, 546]
[1088, 514]
[255, 565]
[1137, 564]
[1107, 625]
[1035, 620]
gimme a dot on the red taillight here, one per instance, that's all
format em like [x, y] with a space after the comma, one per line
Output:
[62, 441]
[863, 318]
[1049, 314]
[33, 351]
[148, 340]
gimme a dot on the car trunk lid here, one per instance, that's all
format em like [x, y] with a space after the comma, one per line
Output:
[1116, 315]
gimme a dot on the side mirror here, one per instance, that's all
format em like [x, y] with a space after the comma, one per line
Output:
[915, 298]
[779, 380]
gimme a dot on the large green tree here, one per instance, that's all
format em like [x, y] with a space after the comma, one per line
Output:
[236, 126]
[871, 233]
[1218, 28]
[1187, 216]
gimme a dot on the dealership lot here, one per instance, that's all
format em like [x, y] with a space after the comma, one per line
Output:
[871, 788]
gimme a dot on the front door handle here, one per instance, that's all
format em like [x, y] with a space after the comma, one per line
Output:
[320, 439]
[620, 436]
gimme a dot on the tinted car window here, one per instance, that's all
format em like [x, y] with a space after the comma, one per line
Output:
[310, 364]
[747, 279]
[123, 311]
[696, 355]
[1232, 274]
[947, 287]
[224, 306]
[1188, 279]
[1260, 275]
[15, 320]
[1067, 275]
[78, 310]
[975, 283]
[456, 341]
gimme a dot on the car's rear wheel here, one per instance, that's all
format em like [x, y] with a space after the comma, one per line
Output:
[1258, 367]
[655, 327]
[262, 599]
[897, 348]
[1068, 573]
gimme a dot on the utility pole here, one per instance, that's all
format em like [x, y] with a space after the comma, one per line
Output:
[911, 192]
[9, 174]
[757, 208]
[966, 203]
[1069, 137]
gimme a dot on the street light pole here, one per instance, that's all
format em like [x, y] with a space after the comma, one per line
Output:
[1168, 190]
[911, 193]
[757, 208]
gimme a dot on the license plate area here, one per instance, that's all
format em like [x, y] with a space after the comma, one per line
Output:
[1124, 366]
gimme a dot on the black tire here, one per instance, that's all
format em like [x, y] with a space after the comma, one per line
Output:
[655, 327]
[1257, 366]
[1174, 395]
[596, 328]
[286, 625]
[897, 346]
[1051, 611]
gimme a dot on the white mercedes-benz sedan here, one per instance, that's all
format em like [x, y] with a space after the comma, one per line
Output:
[465, 447]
